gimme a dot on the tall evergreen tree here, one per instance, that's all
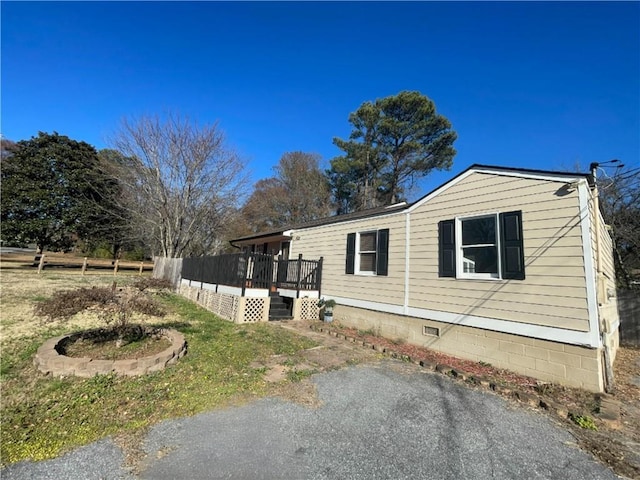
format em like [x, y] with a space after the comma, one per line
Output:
[53, 192]
[395, 141]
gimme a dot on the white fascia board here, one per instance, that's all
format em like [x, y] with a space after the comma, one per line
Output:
[230, 290]
[290, 293]
[248, 292]
[552, 334]
[553, 177]
[256, 292]
[589, 268]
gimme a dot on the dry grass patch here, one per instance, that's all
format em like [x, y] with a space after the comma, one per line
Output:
[43, 416]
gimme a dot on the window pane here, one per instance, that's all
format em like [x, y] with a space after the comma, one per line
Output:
[368, 242]
[479, 231]
[480, 260]
[368, 262]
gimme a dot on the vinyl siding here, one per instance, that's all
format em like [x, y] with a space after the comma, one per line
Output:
[553, 294]
[607, 297]
[554, 291]
[330, 241]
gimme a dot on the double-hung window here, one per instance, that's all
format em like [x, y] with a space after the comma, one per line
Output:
[367, 252]
[366, 258]
[478, 247]
[482, 247]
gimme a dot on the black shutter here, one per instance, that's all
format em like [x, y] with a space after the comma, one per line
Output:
[351, 253]
[447, 248]
[511, 245]
[382, 252]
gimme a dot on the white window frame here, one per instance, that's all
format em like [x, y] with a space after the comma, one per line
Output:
[356, 269]
[460, 273]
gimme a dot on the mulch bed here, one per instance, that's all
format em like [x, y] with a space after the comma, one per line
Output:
[573, 399]
[104, 344]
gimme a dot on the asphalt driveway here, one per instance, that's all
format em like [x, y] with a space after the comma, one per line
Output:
[381, 420]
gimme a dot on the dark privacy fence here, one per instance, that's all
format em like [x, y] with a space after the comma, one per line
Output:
[254, 270]
[629, 311]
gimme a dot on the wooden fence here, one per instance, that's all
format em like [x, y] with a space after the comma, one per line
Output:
[53, 260]
[168, 268]
[629, 311]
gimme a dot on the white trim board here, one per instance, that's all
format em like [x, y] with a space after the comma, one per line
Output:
[552, 334]
[290, 293]
[589, 267]
[237, 291]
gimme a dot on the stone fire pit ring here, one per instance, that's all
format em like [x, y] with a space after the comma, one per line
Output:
[49, 360]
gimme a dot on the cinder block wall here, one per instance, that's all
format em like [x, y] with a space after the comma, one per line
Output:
[548, 361]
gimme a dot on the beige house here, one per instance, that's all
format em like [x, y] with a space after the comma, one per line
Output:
[507, 266]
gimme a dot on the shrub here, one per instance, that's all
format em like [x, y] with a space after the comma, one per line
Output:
[136, 254]
[145, 283]
[113, 306]
[64, 304]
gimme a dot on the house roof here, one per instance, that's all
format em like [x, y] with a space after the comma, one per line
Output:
[371, 212]
[379, 211]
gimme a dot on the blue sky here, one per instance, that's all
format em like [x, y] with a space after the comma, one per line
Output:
[525, 84]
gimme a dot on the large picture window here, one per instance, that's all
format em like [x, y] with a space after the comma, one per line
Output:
[368, 253]
[482, 247]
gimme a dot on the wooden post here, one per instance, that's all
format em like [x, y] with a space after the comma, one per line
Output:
[115, 267]
[41, 264]
[299, 274]
[141, 267]
[247, 258]
[319, 276]
[84, 265]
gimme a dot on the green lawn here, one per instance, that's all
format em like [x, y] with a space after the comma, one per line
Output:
[44, 416]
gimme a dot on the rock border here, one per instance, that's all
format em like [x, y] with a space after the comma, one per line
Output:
[609, 407]
[50, 362]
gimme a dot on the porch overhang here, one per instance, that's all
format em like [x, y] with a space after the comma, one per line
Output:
[280, 236]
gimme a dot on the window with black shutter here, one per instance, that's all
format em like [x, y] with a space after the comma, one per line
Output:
[482, 247]
[368, 253]
[382, 252]
[351, 253]
[447, 247]
[512, 246]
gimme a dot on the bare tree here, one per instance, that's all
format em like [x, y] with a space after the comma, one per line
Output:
[182, 181]
[620, 205]
[298, 193]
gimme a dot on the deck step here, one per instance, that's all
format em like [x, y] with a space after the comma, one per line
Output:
[278, 309]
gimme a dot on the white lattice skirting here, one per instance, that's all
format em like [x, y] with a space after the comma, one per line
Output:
[306, 309]
[230, 307]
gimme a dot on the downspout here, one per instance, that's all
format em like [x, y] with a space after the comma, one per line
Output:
[600, 295]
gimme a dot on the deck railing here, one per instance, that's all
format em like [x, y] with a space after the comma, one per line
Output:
[254, 270]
